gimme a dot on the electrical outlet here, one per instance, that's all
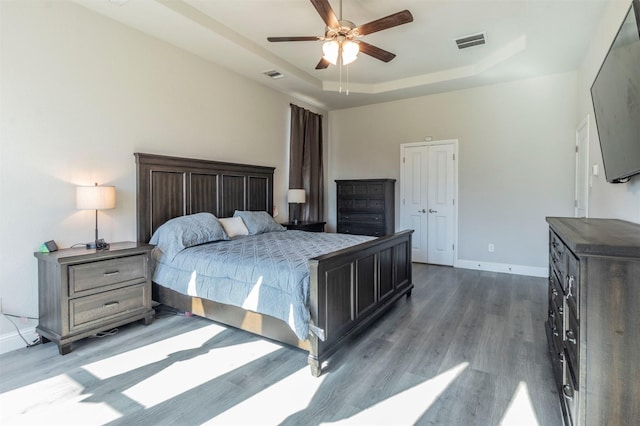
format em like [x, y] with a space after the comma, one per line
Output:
[492, 248]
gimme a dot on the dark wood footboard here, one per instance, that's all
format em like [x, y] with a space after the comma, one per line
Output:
[352, 287]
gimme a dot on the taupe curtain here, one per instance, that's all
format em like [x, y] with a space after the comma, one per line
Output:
[305, 163]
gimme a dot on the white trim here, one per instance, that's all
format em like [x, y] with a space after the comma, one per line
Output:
[12, 341]
[479, 265]
[456, 173]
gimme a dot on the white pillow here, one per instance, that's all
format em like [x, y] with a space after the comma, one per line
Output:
[234, 226]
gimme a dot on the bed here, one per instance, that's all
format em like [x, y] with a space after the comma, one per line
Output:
[348, 288]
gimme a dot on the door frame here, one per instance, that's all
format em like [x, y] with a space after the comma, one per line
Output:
[585, 179]
[456, 161]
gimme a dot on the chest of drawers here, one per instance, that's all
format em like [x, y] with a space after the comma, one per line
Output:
[593, 324]
[366, 206]
[83, 291]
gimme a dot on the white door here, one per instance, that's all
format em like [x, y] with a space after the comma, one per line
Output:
[414, 199]
[440, 207]
[428, 191]
[582, 169]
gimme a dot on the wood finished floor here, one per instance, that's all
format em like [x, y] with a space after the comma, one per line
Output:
[467, 348]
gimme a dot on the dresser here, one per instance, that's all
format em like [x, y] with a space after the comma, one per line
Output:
[593, 323]
[366, 206]
[82, 291]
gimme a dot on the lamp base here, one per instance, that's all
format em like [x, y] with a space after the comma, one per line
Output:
[98, 245]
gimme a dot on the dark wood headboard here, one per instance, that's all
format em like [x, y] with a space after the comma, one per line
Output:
[167, 187]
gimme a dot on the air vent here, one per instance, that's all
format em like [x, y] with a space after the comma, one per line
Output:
[468, 41]
[274, 74]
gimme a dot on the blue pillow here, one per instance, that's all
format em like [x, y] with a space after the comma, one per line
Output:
[181, 232]
[259, 222]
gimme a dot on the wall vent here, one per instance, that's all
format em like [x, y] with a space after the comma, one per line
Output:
[273, 74]
[472, 40]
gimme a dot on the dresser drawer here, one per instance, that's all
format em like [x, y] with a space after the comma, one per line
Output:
[558, 259]
[362, 217]
[572, 280]
[376, 204]
[88, 311]
[361, 229]
[572, 343]
[85, 277]
[361, 188]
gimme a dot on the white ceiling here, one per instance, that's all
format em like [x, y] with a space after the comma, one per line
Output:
[525, 38]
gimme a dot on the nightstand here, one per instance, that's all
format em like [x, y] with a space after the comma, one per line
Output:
[82, 292]
[305, 226]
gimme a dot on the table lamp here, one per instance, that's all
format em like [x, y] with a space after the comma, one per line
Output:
[96, 198]
[296, 196]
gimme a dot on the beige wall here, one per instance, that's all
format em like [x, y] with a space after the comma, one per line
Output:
[80, 95]
[621, 201]
[515, 159]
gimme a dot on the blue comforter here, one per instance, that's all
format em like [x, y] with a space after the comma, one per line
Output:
[266, 273]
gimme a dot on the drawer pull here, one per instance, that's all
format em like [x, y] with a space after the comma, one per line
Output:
[567, 392]
[571, 279]
[110, 304]
[571, 337]
[112, 273]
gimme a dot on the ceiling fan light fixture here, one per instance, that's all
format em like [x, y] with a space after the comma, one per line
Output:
[350, 51]
[331, 49]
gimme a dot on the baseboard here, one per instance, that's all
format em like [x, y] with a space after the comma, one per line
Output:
[531, 271]
[12, 340]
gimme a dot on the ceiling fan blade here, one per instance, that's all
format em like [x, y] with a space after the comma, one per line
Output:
[376, 52]
[302, 38]
[326, 13]
[390, 21]
[323, 64]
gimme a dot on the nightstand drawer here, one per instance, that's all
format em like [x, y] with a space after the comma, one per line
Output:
[92, 275]
[100, 308]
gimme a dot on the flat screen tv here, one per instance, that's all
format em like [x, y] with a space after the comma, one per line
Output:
[616, 101]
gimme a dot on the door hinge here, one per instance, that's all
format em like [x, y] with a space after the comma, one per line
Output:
[575, 203]
[454, 157]
[453, 247]
[402, 160]
[576, 148]
[454, 201]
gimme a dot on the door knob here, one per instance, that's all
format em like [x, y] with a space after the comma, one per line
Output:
[433, 211]
[422, 211]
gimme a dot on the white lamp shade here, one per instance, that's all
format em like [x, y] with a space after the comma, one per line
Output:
[296, 196]
[331, 50]
[95, 197]
[349, 52]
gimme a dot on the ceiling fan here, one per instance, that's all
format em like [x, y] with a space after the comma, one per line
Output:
[342, 38]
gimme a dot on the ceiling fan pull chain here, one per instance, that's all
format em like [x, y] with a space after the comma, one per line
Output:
[347, 80]
[340, 66]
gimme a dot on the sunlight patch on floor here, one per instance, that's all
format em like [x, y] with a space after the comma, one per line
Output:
[274, 404]
[58, 397]
[408, 406]
[179, 377]
[134, 359]
[520, 411]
